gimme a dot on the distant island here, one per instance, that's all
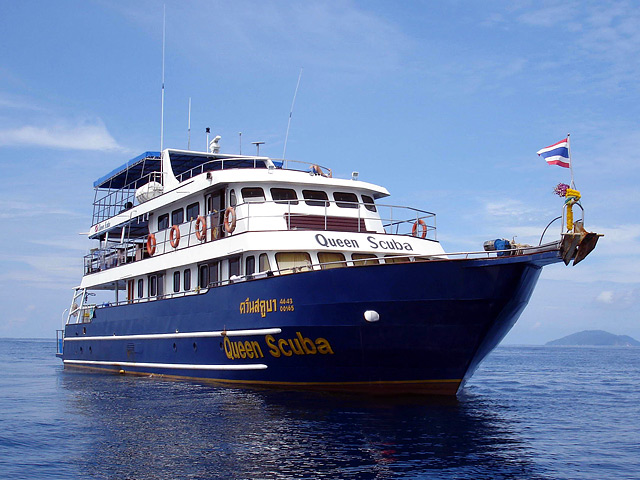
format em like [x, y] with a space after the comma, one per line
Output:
[596, 337]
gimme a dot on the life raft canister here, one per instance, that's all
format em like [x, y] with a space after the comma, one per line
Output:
[174, 236]
[229, 219]
[151, 244]
[414, 230]
[201, 228]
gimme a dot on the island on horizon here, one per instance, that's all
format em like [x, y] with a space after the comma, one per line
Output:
[596, 338]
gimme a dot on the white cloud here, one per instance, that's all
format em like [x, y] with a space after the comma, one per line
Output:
[605, 296]
[86, 136]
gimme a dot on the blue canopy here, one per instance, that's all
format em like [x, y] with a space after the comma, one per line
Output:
[132, 171]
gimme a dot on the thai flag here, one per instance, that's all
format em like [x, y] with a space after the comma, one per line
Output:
[557, 154]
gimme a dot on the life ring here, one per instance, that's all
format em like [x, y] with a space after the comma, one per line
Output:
[201, 228]
[229, 225]
[174, 236]
[414, 230]
[151, 244]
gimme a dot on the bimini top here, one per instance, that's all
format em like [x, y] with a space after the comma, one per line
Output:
[184, 164]
[132, 171]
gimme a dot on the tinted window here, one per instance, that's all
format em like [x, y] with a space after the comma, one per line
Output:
[250, 266]
[234, 266]
[284, 195]
[346, 200]
[368, 203]
[176, 281]
[203, 276]
[163, 222]
[140, 288]
[186, 278]
[177, 217]
[193, 211]
[315, 198]
[253, 194]
[153, 286]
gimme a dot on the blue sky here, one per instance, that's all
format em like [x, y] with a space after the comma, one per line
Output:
[443, 102]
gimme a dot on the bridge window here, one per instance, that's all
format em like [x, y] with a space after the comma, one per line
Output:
[284, 195]
[193, 211]
[264, 263]
[163, 222]
[346, 200]
[315, 198]
[250, 265]
[326, 257]
[177, 216]
[253, 194]
[368, 203]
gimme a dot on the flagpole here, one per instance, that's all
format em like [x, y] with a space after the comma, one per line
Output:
[573, 185]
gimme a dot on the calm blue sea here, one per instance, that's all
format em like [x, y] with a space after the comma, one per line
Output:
[529, 413]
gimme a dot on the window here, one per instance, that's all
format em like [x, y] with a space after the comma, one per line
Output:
[234, 266]
[250, 265]
[284, 195]
[207, 274]
[186, 280]
[176, 281]
[315, 198]
[153, 286]
[289, 262]
[368, 203]
[325, 257]
[346, 200]
[360, 259]
[160, 285]
[253, 194]
[232, 198]
[140, 288]
[163, 222]
[395, 259]
[193, 211]
[264, 263]
[177, 216]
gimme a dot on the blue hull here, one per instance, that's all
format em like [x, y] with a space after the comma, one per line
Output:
[437, 321]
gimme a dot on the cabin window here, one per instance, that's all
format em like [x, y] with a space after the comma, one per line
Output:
[368, 203]
[253, 194]
[346, 200]
[360, 259]
[326, 257]
[156, 285]
[177, 216]
[163, 222]
[234, 267]
[290, 262]
[250, 265]
[176, 281]
[140, 288]
[193, 211]
[395, 259]
[207, 274]
[186, 280]
[160, 285]
[315, 198]
[264, 263]
[232, 198]
[284, 195]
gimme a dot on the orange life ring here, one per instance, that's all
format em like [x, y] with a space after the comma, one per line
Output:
[229, 225]
[174, 236]
[151, 244]
[414, 230]
[201, 228]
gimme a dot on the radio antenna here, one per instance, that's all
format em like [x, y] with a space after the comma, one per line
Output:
[164, 28]
[286, 138]
[189, 127]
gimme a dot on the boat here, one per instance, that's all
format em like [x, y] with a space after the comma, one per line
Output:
[252, 271]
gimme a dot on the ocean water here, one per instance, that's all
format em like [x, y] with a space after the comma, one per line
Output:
[528, 413]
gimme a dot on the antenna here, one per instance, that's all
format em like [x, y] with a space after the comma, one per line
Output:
[240, 135]
[208, 131]
[284, 151]
[164, 28]
[257, 144]
[189, 127]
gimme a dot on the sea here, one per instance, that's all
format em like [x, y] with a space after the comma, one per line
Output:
[529, 412]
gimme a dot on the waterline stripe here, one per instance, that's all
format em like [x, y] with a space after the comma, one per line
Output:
[156, 336]
[181, 366]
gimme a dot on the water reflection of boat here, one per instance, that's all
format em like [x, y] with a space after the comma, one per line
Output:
[246, 269]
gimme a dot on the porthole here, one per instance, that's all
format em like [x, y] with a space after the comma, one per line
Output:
[195, 347]
[81, 350]
[90, 350]
[175, 347]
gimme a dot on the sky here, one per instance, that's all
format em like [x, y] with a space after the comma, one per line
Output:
[445, 103]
